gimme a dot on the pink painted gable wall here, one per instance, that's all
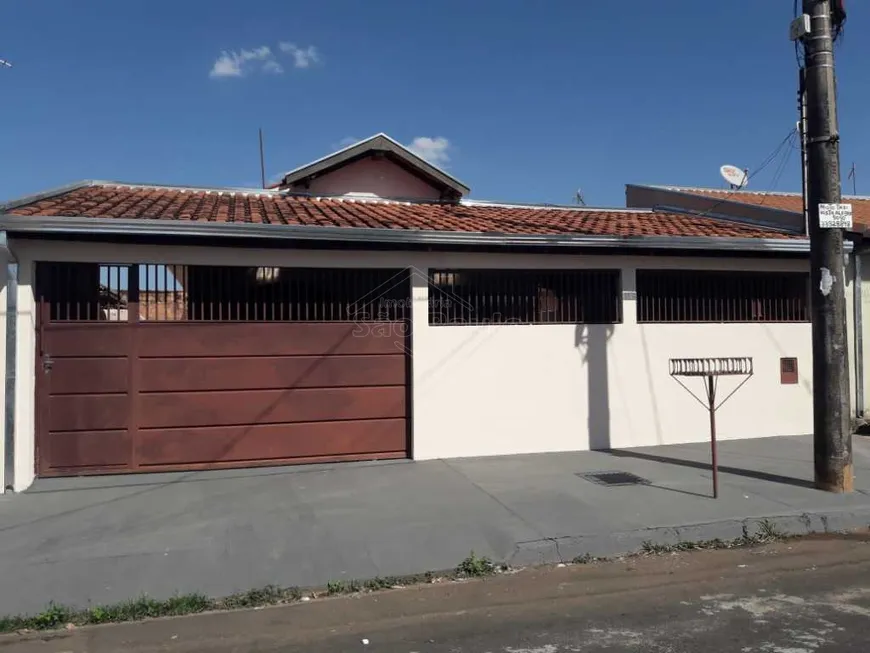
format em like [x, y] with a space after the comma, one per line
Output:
[379, 176]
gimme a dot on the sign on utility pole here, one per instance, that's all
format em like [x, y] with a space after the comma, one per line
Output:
[832, 426]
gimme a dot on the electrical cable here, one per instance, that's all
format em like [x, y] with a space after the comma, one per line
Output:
[780, 169]
[770, 158]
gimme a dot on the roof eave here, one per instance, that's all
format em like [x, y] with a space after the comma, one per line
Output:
[857, 230]
[46, 194]
[718, 200]
[36, 225]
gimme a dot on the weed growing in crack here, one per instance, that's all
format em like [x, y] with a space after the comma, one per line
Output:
[766, 533]
[475, 567]
[587, 559]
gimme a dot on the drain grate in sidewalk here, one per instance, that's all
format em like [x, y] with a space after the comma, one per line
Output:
[615, 478]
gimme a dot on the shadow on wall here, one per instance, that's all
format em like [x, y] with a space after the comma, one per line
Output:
[591, 340]
[647, 365]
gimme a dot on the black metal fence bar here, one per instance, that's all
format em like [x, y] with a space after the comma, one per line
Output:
[486, 296]
[91, 291]
[721, 296]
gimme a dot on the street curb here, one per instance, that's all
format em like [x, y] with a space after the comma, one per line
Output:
[605, 545]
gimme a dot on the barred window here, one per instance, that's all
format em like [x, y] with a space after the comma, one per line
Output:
[722, 296]
[84, 292]
[524, 297]
[168, 293]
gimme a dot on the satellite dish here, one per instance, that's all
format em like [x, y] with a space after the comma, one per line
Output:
[735, 176]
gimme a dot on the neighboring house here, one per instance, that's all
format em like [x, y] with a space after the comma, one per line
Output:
[260, 327]
[786, 210]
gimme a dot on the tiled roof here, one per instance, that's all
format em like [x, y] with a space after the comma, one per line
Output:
[116, 201]
[785, 201]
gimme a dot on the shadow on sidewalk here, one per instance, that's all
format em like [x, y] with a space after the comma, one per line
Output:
[748, 473]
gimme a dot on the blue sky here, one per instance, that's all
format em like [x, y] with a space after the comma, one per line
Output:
[522, 101]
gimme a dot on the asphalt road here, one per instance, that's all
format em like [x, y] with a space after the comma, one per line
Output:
[802, 596]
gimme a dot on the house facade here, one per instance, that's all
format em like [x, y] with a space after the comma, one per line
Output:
[155, 328]
[786, 211]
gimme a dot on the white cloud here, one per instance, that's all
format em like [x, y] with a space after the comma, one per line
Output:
[302, 57]
[238, 64]
[273, 66]
[233, 63]
[435, 150]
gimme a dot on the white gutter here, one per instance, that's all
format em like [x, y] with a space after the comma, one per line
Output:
[11, 345]
[41, 225]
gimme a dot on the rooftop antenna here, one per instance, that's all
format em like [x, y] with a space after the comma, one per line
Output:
[262, 161]
[578, 198]
[853, 177]
[735, 177]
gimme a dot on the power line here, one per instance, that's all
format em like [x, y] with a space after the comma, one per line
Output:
[767, 161]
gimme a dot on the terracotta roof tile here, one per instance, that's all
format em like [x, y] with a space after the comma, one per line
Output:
[110, 201]
[785, 201]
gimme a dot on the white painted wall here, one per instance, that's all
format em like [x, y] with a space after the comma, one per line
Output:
[379, 176]
[865, 329]
[491, 390]
[3, 298]
[484, 390]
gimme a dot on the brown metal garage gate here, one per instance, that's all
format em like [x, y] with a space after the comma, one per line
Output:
[155, 367]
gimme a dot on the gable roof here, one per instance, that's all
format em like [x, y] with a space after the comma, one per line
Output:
[127, 208]
[379, 143]
[792, 202]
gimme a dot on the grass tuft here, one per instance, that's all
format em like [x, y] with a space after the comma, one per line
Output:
[57, 616]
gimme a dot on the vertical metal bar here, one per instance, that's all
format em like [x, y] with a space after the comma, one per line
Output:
[661, 286]
[673, 288]
[640, 295]
[264, 291]
[321, 286]
[285, 295]
[237, 291]
[246, 300]
[306, 293]
[68, 287]
[714, 462]
[512, 283]
[117, 291]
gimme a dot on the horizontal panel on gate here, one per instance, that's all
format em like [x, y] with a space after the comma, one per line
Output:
[109, 449]
[270, 339]
[269, 442]
[84, 339]
[263, 373]
[89, 375]
[191, 409]
[88, 412]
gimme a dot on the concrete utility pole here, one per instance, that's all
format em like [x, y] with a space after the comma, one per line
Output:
[831, 413]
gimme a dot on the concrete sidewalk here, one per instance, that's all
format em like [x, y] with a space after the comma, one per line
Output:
[99, 540]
